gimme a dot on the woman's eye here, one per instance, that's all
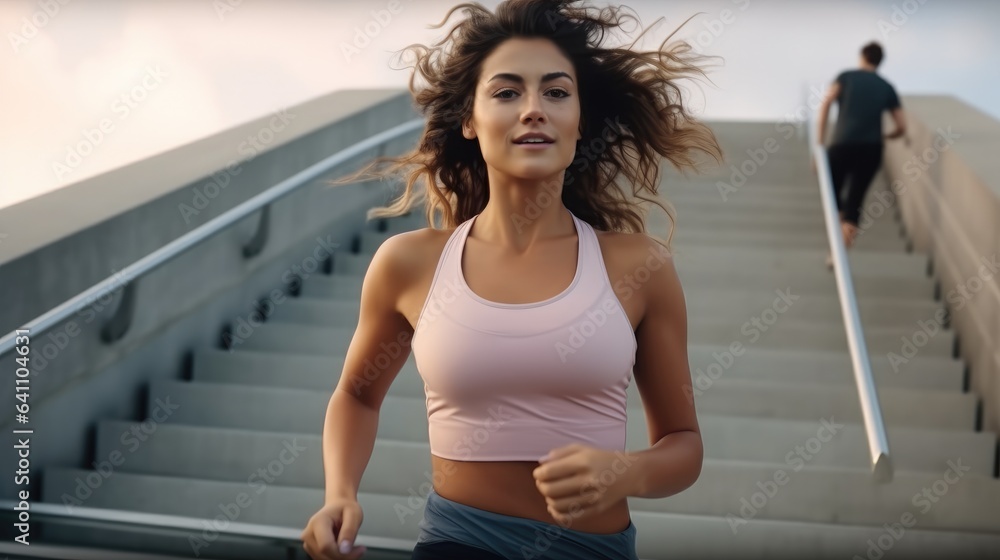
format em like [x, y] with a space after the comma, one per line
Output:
[563, 93]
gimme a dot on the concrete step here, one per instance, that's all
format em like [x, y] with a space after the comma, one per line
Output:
[724, 256]
[82, 539]
[754, 235]
[864, 264]
[900, 407]
[338, 286]
[785, 171]
[706, 186]
[232, 453]
[740, 304]
[709, 211]
[691, 208]
[708, 269]
[318, 311]
[790, 333]
[659, 535]
[690, 219]
[689, 238]
[806, 284]
[885, 225]
[706, 362]
[734, 305]
[746, 492]
[780, 333]
[797, 490]
[809, 278]
[704, 213]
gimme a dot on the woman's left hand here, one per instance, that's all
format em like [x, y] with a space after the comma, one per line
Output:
[581, 481]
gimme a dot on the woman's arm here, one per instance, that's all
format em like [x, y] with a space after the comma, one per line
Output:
[382, 336]
[674, 460]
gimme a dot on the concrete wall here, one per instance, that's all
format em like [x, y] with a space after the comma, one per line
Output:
[948, 185]
[61, 243]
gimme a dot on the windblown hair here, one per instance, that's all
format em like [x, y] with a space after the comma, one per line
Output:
[631, 109]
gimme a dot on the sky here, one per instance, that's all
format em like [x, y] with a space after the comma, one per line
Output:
[87, 86]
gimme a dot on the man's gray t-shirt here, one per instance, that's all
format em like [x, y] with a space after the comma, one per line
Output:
[863, 97]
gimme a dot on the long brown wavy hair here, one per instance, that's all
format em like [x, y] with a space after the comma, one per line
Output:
[631, 109]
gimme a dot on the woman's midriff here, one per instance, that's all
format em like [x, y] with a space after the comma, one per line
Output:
[508, 488]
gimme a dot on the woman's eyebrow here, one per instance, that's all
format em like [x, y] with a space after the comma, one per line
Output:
[517, 78]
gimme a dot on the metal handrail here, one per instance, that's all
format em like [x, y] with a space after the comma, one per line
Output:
[151, 262]
[282, 536]
[176, 247]
[871, 411]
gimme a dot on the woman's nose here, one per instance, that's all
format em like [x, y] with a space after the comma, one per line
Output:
[533, 108]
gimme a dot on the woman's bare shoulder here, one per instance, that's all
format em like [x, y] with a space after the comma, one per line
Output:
[631, 250]
[410, 253]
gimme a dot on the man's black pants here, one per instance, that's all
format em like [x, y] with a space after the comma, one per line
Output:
[853, 166]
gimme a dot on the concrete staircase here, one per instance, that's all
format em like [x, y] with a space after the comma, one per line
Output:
[786, 472]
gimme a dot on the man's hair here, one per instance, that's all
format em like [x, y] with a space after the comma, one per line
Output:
[872, 53]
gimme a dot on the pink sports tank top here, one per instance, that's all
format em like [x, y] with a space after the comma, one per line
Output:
[510, 382]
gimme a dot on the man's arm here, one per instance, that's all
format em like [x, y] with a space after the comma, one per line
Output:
[897, 117]
[824, 110]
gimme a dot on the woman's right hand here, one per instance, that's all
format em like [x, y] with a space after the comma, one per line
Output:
[335, 525]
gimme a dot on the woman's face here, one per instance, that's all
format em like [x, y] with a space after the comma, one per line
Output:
[526, 86]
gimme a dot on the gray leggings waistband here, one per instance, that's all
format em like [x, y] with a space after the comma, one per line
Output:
[518, 538]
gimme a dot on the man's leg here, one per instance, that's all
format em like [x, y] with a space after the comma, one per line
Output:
[866, 163]
[839, 157]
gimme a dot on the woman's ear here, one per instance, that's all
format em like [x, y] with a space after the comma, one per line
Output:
[467, 131]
